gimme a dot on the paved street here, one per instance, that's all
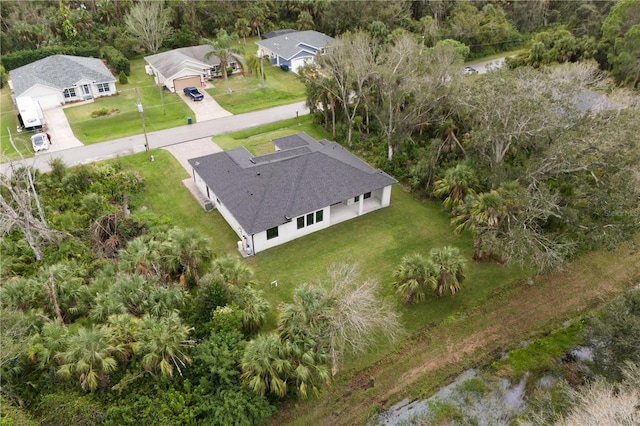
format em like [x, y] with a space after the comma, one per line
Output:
[162, 138]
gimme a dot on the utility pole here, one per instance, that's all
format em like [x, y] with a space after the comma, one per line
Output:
[164, 109]
[144, 127]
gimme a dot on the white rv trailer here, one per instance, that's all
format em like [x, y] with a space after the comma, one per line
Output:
[31, 116]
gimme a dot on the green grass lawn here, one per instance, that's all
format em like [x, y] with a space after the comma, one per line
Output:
[125, 119]
[247, 93]
[8, 123]
[257, 140]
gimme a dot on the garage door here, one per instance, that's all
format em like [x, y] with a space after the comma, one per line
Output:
[182, 82]
[48, 101]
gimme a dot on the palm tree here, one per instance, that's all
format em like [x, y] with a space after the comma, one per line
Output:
[243, 29]
[183, 251]
[123, 329]
[480, 214]
[449, 267]
[457, 183]
[142, 256]
[90, 356]
[233, 270]
[45, 347]
[413, 276]
[222, 48]
[257, 17]
[162, 342]
[254, 307]
[265, 366]
[308, 315]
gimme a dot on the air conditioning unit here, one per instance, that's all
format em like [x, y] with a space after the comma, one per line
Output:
[208, 205]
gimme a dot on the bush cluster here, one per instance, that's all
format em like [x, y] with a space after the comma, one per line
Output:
[16, 59]
[116, 60]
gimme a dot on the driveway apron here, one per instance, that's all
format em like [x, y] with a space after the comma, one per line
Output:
[206, 109]
[62, 136]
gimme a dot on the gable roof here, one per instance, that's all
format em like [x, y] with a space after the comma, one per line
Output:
[59, 72]
[267, 191]
[173, 61]
[289, 45]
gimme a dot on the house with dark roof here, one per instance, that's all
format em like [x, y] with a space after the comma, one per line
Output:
[186, 66]
[293, 49]
[304, 186]
[57, 79]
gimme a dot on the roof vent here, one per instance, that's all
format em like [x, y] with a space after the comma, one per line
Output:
[258, 173]
[252, 160]
[287, 218]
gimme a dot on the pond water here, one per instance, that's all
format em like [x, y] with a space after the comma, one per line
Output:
[471, 398]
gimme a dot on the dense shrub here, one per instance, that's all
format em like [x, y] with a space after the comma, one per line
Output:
[19, 58]
[116, 60]
[122, 78]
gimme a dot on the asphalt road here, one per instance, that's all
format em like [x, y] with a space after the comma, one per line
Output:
[177, 135]
[485, 66]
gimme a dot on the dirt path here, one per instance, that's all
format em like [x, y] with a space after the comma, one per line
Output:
[506, 318]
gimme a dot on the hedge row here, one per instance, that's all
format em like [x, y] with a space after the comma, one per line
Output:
[116, 60]
[14, 60]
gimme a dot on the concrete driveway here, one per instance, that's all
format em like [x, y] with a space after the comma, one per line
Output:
[206, 109]
[58, 128]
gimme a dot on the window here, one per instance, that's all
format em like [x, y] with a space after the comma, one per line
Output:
[234, 66]
[300, 222]
[215, 69]
[356, 198]
[367, 195]
[70, 93]
[310, 219]
[272, 233]
[103, 87]
[319, 215]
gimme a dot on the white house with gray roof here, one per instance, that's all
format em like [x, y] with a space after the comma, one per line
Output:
[58, 79]
[186, 66]
[293, 49]
[302, 187]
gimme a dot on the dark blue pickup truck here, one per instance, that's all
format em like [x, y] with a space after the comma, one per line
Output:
[193, 93]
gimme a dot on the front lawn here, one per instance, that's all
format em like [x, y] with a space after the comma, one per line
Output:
[247, 93]
[123, 118]
[257, 140]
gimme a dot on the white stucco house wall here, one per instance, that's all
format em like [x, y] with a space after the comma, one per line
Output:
[55, 80]
[302, 187]
[186, 66]
[293, 49]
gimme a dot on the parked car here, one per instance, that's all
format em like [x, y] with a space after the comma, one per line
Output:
[193, 93]
[40, 142]
[470, 70]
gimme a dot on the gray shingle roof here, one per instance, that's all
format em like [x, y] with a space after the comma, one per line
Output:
[288, 45]
[260, 192]
[59, 72]
[171, 62]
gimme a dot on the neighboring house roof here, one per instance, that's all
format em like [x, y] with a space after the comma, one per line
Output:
[289, 45]
[304, 176]
[172, 62]
[59, 72]
[277, 33]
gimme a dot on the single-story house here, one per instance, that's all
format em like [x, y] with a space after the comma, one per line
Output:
[302, 187]
[57, 79]
[186, 66]
[293, 49]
